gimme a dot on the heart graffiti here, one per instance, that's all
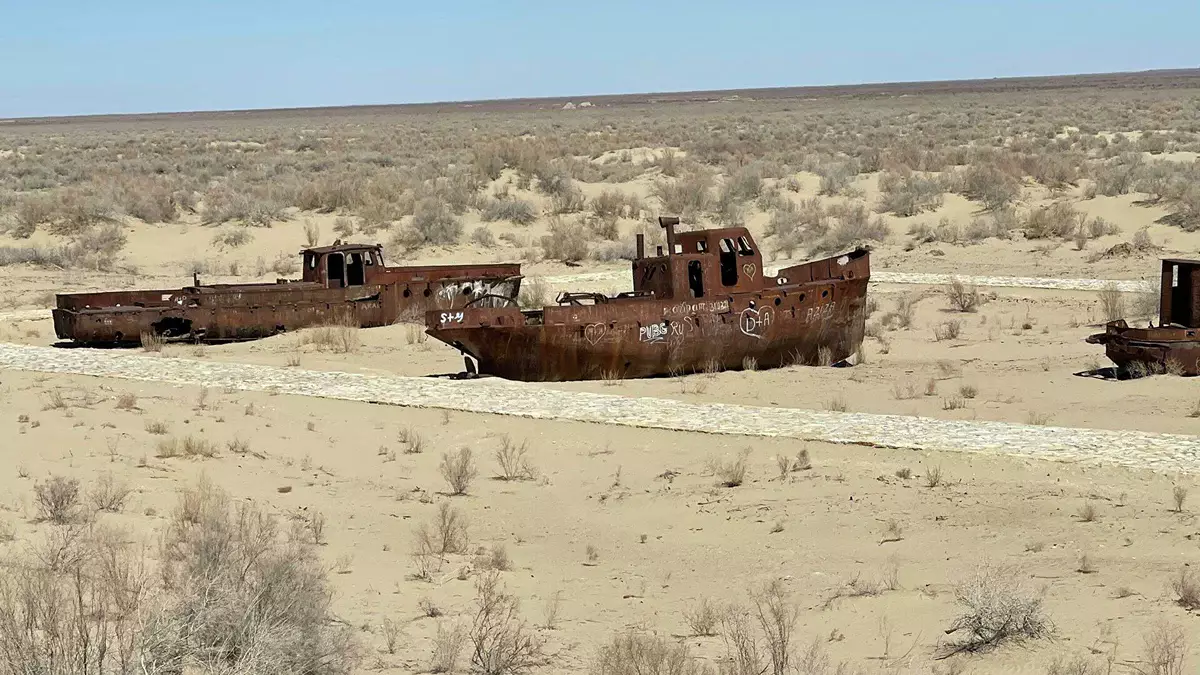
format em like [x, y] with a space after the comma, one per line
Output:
[754, 322]
[594, 332]
[750, 269]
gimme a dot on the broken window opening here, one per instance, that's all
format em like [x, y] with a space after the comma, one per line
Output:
[696, 278]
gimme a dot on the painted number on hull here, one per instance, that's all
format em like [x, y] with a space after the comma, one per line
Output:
[452, 317]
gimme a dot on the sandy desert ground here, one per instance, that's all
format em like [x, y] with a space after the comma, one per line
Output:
[611, 530]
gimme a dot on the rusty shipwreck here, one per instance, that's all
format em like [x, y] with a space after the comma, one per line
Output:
[343, 283]
[704, 304]
[1174, 344]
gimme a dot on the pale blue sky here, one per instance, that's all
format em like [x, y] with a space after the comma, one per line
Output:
[85, 56]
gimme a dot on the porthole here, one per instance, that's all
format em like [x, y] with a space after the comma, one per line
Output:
[801, 297]
[778, 302]
[426, 292]
[407, 293]
[824, 294]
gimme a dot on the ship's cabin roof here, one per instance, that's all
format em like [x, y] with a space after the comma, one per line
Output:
[339, 247]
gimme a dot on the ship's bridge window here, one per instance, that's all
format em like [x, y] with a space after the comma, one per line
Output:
[744, 247]
[701, 246]
[312, 261]
[678, 248]
[728, 257]
[369, 259]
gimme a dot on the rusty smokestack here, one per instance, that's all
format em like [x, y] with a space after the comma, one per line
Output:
[641, 245]
[668, 223]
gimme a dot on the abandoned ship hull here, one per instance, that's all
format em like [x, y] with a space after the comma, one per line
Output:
[252, 311]
[1164, 349]
[820, 323]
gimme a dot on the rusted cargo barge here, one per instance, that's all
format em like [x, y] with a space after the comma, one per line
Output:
[344, 283]
[703, 304]
[1174, 344]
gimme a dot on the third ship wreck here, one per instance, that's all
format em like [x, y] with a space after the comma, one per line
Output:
[704, 304]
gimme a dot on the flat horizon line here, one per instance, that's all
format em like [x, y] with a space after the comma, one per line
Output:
[976, 85]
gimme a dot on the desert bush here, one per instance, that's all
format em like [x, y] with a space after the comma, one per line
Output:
[686, 196]
[514, 460]
[252, 599]
[338, 338]
[57, 499]
[703, 618]
[1060, 220]
[458, 469]
[516, 211]
[836, 177]
[312, 233]
[534, 293]
[447, 648]
[997, 607]
[615, 204]
[446, 533]
[109, 494]
[567, 241]
[482, 236]
[987, 184]
[1164, 651]
[947, 330]
[633, 653]
[1186, 587]
[501, 642]
[432, 224]
[731, 473]
[1112, 303]
[853, 226]
[908, 195]
[232, 237]
[962, 297]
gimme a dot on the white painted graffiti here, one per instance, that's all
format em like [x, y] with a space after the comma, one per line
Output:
[750, 269]
[702, 307]
[452, 317]
[594, 332]
[472, 289]
[754, 322]
[655, 332]
[820, 312]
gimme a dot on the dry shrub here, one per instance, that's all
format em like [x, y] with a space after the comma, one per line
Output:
[501, 642]
[231, 596]
[109, 494]
[760, 639]
[947, 330]
[567, 241]
[731, 473]
[615, 204]
[252, 599]
[997, 607]
[458, 469]
[640, 654]
[312, 233]
[687, 196]
[57, 499]
[963, 297]
[908, 195]
[1060, 220]
[987, 184]
[447, 647]
[338, 338]
[1186, 587]
[534, 293]
[516, 211]
[1112, 303]
[1165, 651]
[432, 224]
[483, 237]
[514, 461]
[703, 618]
[853, 225]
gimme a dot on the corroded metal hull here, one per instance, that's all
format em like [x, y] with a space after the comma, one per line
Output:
[816, 321]
[1165, 349]
[222, 313]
